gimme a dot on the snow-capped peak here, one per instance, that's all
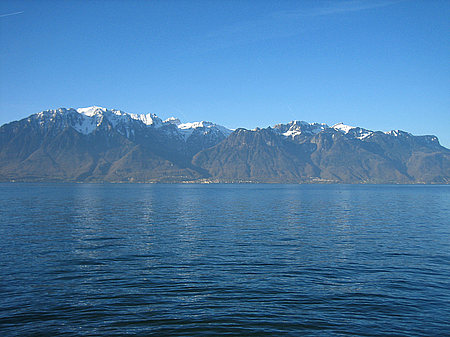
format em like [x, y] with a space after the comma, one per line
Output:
[342, 127]
[397, 133]
[91, 110]
[296, 122]
[187, 129]
[147, 119]
[353, 131]
[87, 120]
[173, 120]
[194, 125]
[297, 128]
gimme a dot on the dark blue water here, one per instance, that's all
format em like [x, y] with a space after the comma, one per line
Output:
[213, 260]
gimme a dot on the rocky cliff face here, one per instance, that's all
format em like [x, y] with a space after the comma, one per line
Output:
[97, 144]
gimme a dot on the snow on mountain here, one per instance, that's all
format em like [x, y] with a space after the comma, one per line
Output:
[398, 133]
[173, 120]
[353, 131]
[187, 129]
[342, 127]
[91, 111]
[91, 117]
[86, 125]
[194, 125]
[148, 119]
[87, 120]
[297, 128]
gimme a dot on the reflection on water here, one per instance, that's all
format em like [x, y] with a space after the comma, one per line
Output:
[224, 259]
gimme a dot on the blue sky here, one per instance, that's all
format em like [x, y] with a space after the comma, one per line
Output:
[381, 64]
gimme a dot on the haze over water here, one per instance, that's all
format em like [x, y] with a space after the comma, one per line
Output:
[101, 259]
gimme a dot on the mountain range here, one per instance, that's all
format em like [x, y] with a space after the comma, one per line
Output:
[96, 144]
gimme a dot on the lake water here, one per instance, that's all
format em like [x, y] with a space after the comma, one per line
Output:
[244, 260]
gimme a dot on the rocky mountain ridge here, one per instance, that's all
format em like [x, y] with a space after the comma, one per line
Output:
[96, 144]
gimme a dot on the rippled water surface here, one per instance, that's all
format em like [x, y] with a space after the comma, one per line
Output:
[80, 259]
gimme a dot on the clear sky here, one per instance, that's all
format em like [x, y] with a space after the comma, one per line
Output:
[377, 64]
